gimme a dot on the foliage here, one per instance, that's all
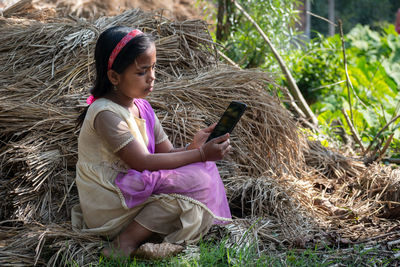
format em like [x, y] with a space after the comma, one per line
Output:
[374, 70]
[312, 68]
[245, 45]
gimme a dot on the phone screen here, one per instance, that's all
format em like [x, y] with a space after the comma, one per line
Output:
[228, 120]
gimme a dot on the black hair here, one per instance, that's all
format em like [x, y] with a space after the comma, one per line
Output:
[106, 43]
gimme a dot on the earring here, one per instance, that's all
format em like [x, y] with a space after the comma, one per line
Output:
[115, 88]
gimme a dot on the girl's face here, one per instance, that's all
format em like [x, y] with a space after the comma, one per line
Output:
[137, 80]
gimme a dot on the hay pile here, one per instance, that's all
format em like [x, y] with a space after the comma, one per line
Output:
[294, 192]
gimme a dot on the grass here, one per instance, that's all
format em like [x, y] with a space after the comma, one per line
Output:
[213, 253]
[207, 253]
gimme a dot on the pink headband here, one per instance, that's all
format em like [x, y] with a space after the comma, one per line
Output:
[121, 45]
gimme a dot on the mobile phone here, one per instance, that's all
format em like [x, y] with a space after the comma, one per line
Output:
[228, 120]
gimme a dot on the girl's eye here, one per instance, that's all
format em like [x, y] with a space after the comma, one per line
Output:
[153, 67]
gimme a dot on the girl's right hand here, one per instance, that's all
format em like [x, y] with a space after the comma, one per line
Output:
[216, 148]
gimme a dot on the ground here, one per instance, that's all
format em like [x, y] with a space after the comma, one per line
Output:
[179, 9]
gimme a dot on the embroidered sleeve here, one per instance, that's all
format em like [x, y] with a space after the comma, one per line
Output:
[159, 134]
[113, 129]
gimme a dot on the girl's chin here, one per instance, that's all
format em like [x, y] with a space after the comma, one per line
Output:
[146, 93]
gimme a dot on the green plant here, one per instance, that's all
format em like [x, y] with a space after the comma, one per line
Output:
[244, 45]
[374, 70]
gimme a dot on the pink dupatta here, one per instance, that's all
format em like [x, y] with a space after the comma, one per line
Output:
[198, 182]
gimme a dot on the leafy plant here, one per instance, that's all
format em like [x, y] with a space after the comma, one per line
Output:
[244, 44]
[374, 70]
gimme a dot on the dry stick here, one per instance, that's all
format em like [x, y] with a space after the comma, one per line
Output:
[301, 114]
[322, 18]
[348, 82]
[376, 237]
[230, 61]
[353, 130]
[385, 147]
[294, 90]
[380, 132]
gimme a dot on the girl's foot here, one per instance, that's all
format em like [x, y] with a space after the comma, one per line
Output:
[117, 250]
[157, 251]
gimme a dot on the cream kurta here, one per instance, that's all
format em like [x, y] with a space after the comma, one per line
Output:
[102, 208]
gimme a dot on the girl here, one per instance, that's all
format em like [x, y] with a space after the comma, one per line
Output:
[132, 182]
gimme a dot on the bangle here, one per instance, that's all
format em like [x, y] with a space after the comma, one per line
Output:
[202, 156]
[186, 147]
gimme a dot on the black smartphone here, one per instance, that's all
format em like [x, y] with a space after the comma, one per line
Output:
[228, 120]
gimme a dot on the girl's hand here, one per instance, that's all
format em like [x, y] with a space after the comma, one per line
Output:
[201, 137]
[216, 148]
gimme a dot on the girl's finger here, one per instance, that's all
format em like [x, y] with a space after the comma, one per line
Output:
[228, 149]
[225, 144]
[220, 139]
[210, 128]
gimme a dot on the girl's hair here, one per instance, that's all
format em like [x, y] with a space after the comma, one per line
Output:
[106, 43]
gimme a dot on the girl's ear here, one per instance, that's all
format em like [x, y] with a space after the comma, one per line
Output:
[113, 76]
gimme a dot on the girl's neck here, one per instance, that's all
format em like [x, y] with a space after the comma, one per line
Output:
[124, 101]
[121, 99]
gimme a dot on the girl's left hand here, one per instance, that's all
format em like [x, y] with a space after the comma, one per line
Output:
[201, 137]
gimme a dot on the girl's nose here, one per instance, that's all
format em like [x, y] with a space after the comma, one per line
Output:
[152, 76]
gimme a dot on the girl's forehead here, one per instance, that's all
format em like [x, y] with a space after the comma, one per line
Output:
[148, 58]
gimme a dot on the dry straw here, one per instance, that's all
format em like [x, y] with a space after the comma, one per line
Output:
[46, 70]
[287, 190]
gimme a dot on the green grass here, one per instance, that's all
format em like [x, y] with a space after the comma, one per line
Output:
[212, 253]
[209, 253]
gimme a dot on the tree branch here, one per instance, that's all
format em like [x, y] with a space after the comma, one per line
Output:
[294, 90]
[353, 130]
[348, 82]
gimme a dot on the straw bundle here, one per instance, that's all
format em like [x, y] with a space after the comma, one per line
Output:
[331, 164]
[43, 53]
[51, 245]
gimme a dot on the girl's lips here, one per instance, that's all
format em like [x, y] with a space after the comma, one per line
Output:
[150, 89]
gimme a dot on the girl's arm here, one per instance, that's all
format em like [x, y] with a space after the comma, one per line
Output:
[137, 157]
[198, 140]
[167, 147]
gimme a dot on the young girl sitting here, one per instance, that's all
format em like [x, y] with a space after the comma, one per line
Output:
[132, 183]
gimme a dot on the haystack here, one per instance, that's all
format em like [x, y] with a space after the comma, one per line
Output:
[291, 191]
[46, 71]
